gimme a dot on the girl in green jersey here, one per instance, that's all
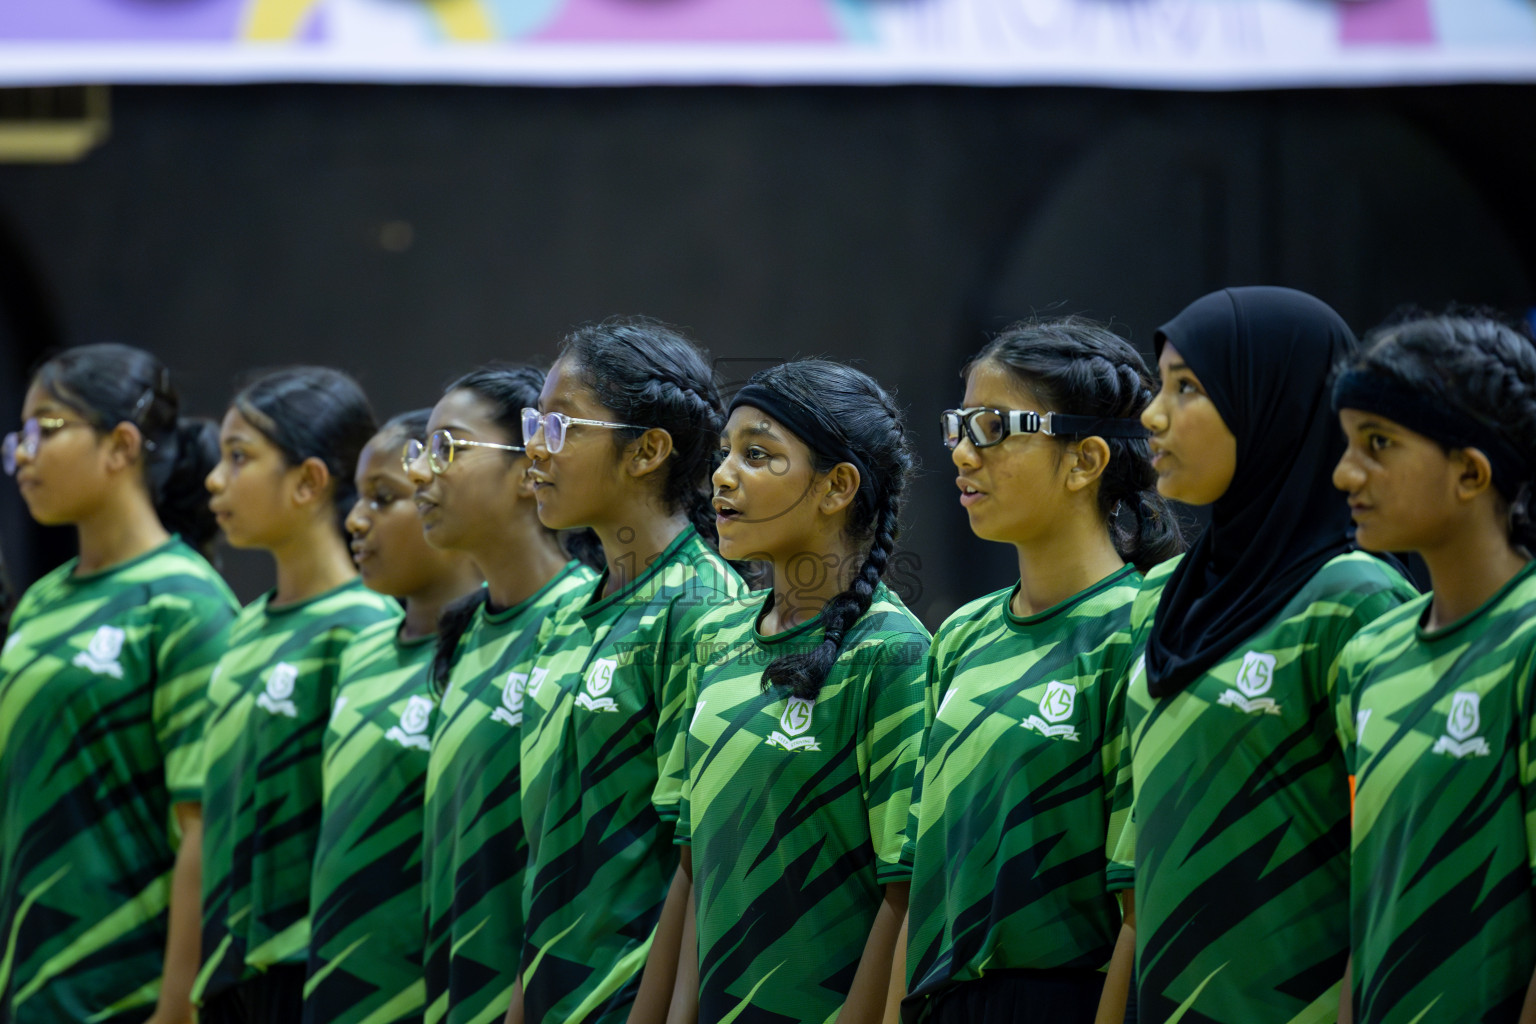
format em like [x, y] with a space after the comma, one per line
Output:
[1239, 833]
[470, 476]
[622, 442]
[1437, 706]
[289, 446]
[804, 712]
[1012, 917]
[101, 701]
[366, 937]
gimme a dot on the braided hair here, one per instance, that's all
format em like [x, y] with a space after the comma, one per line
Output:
[1075, 366]
[1479, 366]
[646, 372]
[110, 384]
[864, 420]
[506, 391]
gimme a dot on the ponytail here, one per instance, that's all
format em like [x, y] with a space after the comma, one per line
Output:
[183, 501]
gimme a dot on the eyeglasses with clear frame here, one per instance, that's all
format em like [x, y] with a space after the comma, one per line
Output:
[439, 449]
[985, 427]
[26, 440]
[557, 424]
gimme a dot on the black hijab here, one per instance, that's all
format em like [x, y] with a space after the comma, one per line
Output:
[1264, 356]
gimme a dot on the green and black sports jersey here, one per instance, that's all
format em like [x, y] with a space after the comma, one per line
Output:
[475, 850]
[366, 934]
[102, 684]
[269, 702]
[1240, 828]
[1441, 728]
[796, 809]
[1015, 823]
[602, 764]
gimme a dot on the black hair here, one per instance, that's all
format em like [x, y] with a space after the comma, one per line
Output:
[1078, 367]
[507, 390]
[649, 374]
[313, 412]
[1479, 365]
[853, 405]
[108, 384]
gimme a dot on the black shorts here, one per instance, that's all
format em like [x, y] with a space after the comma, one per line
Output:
[1065, 996]
[277, 997]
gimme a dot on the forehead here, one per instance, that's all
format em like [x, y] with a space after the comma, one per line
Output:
[565, 391]
[39, 402]
[991, 384]
[381, 457]
[235, 425]
[465, 410]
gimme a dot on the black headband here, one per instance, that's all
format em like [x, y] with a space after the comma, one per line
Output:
[1437, 420]
[819, 433]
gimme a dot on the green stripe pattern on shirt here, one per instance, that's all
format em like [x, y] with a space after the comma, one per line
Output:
[1015, 821]
[603, 765]
[475, 849]
[366, 933]
[102, 684]
[1240, 827]
[796, 809]
[270, 699]
[1440, 728]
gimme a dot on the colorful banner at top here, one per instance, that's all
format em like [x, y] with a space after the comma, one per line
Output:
[1151, 43]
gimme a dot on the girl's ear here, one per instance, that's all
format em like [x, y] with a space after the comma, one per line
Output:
[1090, 462]
[1474, 473]
[647, 452]
[124, 445]
[842, 483]
[312, 481]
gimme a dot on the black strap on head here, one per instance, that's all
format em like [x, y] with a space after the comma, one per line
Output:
[1062, 425]
[819, 432]
[1437, 420]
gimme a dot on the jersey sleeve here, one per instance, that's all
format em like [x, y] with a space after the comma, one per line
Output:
[682, 833]
[934, 685]
[1121, 841]
[890, 751]
[192, 631]
[669, 662]
[1526, 758]
[1341, 690]
[1113, 764]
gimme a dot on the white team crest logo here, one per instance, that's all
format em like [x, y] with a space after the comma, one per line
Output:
[795, 721]
[599, 682]
[414, 719]
[10, 642]
[1254, 678]
[101, 654]
[1461, 727]
[512, 694]
[277, 698]
[1056, 706]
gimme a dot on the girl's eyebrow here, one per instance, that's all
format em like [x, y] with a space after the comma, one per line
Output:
[1176, 367]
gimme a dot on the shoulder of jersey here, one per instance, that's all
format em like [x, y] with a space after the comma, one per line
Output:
[889, 614]
[1357, 574]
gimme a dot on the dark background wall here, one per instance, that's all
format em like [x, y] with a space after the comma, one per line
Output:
[406, 234]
